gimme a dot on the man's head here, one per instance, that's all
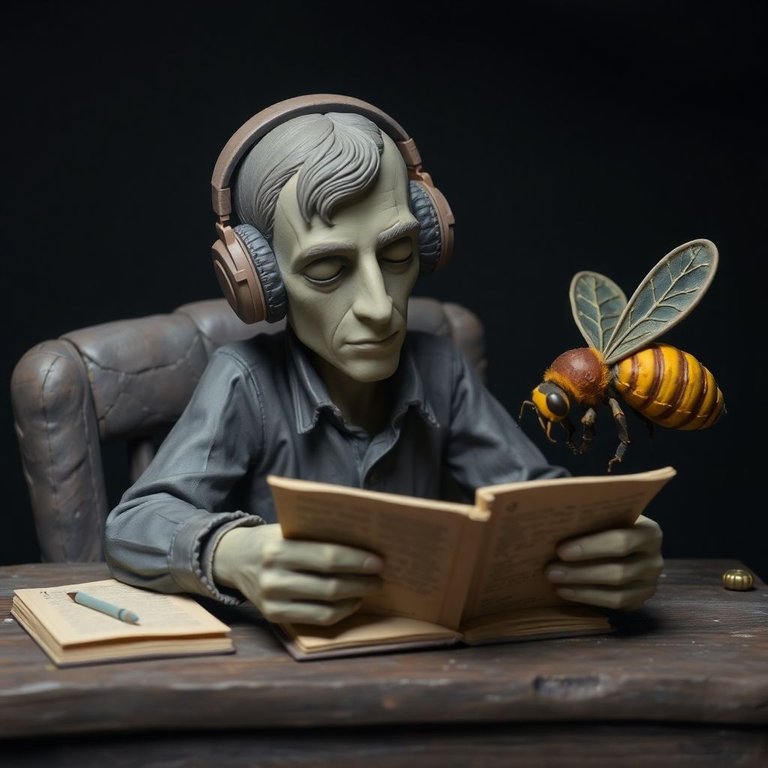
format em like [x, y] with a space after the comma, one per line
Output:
[331, 194]
[337, 177]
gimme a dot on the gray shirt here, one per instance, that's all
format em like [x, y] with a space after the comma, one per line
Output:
[260, 408]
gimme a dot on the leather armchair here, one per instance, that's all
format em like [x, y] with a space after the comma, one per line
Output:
[128, 381]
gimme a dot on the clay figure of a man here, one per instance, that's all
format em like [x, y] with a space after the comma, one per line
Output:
[345, 394]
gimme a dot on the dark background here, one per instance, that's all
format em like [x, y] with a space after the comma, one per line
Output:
[566, 135]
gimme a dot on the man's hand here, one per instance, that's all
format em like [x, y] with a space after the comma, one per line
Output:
[612, 569]
[295, 581]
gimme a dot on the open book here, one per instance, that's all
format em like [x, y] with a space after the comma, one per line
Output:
[71, 633]
[458, 573]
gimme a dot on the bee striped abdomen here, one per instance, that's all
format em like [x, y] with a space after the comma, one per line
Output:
[669, 387]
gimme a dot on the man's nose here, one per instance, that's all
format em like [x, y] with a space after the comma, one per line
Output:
[372, 301]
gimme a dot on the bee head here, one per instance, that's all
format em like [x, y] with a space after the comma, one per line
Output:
[551, 405]
[551, 402]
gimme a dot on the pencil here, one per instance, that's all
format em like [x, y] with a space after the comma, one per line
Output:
[89, 601]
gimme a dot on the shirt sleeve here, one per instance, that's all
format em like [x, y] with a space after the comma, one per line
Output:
[486, 445]
[162, 533]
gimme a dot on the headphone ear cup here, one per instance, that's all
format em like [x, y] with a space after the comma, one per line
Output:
[430, 241]
[265, 265]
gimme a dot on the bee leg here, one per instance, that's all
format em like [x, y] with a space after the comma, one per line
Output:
[588, 429]
[618, 456]
[569, 429]
[621, 426]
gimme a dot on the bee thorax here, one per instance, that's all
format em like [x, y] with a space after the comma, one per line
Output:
[582, 373]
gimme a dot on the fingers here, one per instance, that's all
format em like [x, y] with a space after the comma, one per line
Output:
[321, 558]
[304, 612]
[644, 536]
[622, 584]
[296, 581]
[309, 598]
[297, 585]
[624, 598]
[616, 569]
[613, 573]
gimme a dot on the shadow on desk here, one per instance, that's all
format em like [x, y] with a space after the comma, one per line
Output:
[683, 682]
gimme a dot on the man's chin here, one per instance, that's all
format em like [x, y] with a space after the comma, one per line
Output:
[371, 371]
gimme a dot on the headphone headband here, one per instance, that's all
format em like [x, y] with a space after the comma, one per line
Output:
[263, 122]
[245, 265]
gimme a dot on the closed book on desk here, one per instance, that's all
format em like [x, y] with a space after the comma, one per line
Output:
[71, 633]
[458, 573]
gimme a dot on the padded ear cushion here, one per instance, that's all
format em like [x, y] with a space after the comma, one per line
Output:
[265, 264]
[430, 242]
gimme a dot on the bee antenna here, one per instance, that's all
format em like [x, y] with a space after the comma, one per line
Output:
[522, 408]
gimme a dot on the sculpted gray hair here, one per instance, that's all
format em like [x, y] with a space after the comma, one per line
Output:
[337, 155]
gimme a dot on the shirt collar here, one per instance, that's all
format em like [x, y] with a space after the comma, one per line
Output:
[310, 395]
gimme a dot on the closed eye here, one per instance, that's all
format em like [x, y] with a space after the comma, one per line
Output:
[398, 253]
[325, 271]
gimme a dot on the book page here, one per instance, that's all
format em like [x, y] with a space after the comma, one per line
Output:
[160, 615]
[528, 521]
[363, 629]
[567, 620]
[428, 547]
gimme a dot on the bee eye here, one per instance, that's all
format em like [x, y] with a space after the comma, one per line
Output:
[558, 404]
[551, 402]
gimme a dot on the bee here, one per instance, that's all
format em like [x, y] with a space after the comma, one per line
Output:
[623, 363]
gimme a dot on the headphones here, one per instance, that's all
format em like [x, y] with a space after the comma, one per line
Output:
[243, 260]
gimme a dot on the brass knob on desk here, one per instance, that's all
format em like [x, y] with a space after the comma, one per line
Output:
[738, 579]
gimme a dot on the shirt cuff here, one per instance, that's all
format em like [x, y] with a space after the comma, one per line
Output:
[191, 558]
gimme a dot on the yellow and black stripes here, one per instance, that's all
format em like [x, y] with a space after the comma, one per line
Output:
[669, 387]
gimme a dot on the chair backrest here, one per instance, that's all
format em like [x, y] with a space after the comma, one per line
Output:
[129, 380]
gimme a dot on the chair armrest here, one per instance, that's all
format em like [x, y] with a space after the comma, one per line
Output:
[142, 371]
[58, 440]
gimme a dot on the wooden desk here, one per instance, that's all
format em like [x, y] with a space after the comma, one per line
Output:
[684, 682]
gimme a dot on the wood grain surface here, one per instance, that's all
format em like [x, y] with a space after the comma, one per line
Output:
[690, 668]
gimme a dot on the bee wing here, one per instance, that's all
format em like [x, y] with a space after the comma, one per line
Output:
[596, 304]
[665, 296]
